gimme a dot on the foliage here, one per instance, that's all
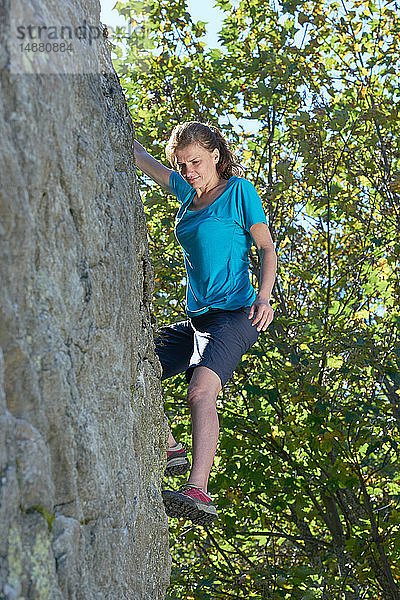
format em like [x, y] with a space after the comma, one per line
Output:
[307, 479]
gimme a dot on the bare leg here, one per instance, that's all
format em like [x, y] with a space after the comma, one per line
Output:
[203, 390]
[171, 440]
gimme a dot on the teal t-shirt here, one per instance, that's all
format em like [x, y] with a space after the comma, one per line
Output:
[216, 242]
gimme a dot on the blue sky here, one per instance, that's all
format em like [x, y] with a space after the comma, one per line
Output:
[203, 10]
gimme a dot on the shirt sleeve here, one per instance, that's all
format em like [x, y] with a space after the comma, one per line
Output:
[181, 188]
[249, 206]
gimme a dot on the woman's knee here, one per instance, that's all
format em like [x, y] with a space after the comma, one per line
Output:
[199, 394]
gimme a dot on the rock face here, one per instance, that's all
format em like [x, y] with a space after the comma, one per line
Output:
[82, 430]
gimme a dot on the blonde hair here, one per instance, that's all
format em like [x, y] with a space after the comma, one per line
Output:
[208, 136]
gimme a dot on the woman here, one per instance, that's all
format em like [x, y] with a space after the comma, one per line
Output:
[220, 216]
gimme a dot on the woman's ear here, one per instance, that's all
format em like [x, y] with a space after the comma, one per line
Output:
[216, 154]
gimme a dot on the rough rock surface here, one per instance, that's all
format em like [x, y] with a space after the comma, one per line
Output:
[82, 430]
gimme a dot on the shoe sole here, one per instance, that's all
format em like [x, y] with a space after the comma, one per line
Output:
[177, 466]
[187, 508]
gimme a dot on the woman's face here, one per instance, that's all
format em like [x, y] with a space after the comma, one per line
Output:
[197, 165]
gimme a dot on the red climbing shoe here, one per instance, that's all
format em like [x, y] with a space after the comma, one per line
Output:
[177, 461]
[190, 502]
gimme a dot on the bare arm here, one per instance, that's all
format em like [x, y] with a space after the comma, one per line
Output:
[266, 249]
[152, 167]
[261, 308]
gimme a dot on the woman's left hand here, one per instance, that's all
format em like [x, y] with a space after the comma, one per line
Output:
[263, 313]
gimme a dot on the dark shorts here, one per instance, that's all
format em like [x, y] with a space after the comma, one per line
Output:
[216, 339]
